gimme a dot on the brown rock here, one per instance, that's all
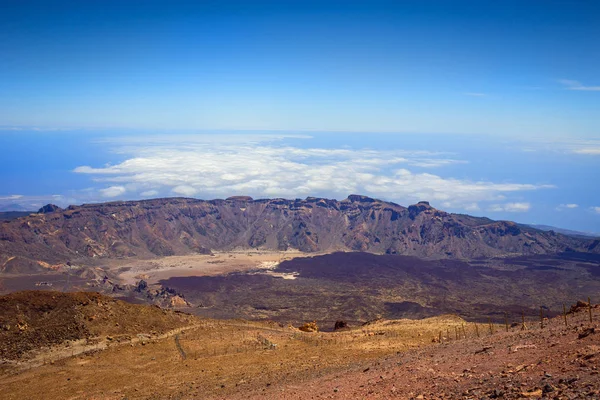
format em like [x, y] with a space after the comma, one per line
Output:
[309, 327]
[340, 325]
[177, 226]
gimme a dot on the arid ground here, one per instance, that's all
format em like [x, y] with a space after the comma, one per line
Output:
[224, 359]
[219, 263]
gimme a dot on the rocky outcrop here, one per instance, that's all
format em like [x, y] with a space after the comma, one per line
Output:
[340, 325]
[175, 226]
[309, 327]
[49, 208]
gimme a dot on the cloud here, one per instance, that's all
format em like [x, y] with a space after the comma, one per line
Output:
[149, 193]
[588, 146]
[31, 128]
[112, 191]
[32, 203]
[184, 190]
[12, 197]
[259, 169]
[432, 163]
[510, 207]
[566, 206]
[596, 209]
[575, 85]
[470, 207]
[592, 151]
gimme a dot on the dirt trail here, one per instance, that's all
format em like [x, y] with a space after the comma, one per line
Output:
[83, 346]
[179, 348]
[222, 358]
[99, 343]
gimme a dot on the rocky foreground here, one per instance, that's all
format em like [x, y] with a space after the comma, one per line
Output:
[98, 348]
[553, 362]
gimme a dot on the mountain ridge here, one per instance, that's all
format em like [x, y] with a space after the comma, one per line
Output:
[175, 226]
[568, 232]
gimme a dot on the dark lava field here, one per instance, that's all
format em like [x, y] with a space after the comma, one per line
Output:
[359, 287]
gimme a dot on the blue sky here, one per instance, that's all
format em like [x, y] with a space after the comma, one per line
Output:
[466, 97]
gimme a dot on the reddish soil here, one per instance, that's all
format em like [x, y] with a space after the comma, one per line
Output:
[555, 362]
[240, 359]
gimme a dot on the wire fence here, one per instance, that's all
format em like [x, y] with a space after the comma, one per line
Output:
[211, 338]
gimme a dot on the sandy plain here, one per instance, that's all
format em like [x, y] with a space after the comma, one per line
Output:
[219, 263]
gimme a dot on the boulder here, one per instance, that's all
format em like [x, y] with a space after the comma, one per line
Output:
[309, 327]
[340, 325]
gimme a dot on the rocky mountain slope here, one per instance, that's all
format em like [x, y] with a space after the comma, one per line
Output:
[163, 227]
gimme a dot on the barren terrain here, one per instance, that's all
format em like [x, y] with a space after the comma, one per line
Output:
[358, 287]
[218, 263]
[93, 233]
[553, 362]
[428, 304]
[384, 359]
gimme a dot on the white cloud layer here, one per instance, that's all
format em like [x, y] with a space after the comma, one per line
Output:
[576, 85]
[33, 203]
[184, 190]
[510, 207]
[591, 151]
[263, 169]
[587, 146]
[567, 206]
[112, 191]
[596, 210]
[11, 197]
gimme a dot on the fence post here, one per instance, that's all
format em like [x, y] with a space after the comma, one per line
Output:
[490, 323]
[477, 329]
[506, 321]
[523, 326]
[541, 317]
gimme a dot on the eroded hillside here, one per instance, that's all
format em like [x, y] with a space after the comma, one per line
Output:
[31, 321]
[177, 226]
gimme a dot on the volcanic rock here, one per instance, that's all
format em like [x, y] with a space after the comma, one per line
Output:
[340, 325]
[309, 327]
[49, 208]
[179, 226]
